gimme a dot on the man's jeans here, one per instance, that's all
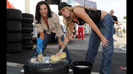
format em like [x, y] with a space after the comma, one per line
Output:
[106, 28]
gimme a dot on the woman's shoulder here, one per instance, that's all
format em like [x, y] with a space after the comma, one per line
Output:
[77, 8]
[54, 18]
[54, 14]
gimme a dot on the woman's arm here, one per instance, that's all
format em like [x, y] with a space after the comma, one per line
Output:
[41, 35]
[39, 30]
[67, 38]
[80, 12]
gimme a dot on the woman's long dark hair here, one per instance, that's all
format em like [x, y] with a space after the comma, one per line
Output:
[37, 13]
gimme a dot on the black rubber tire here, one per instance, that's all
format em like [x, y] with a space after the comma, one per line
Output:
[13, 37]
[14, 47]
[28, 47]
[27, 15]
[26, 38]
[29, 25]
[26, 35]
[61, 67]
[27, 43]
[14, 26]
[28, 20]
[14, 14]
[27, 30]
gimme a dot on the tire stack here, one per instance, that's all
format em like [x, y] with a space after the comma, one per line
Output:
[14, 29]
[27, 29]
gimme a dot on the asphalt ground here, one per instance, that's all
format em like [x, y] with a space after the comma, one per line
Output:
[77, 49]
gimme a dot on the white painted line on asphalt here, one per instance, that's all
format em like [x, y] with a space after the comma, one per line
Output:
[14, 64]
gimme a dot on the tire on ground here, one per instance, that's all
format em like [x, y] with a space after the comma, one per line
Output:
[61, 67]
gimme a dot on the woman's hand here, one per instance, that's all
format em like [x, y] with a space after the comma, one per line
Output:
[104, 41]
[59, 53]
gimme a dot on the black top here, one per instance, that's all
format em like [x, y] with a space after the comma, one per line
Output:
[95, 15]
[114, 18]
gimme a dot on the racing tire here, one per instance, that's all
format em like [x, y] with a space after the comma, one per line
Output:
[29, 25]
[13, 37]
[14, 26]
[26, 38]
[25, 43]
[27, 30]
[26, 35]
[27, 20]
[27, 15]
[28, 47]
[61, 67]
[14, 47]
[14, 14]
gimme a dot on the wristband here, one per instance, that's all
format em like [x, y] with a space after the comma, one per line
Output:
[61, 50]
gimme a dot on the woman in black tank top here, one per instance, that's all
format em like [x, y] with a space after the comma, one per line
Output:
[101, 24]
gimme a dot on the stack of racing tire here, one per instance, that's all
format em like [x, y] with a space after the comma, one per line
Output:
[14, 29]
[27, 29]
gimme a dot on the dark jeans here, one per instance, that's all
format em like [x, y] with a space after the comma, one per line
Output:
[106, 28]
[49, 38]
